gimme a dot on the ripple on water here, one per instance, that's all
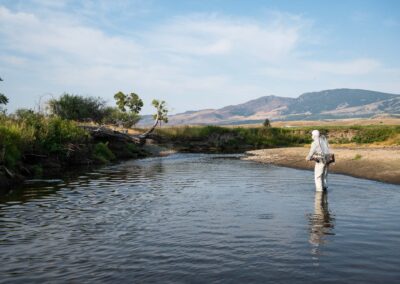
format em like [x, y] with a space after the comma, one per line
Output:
[208, 218]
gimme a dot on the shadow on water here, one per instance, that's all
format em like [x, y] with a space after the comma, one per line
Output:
[75, 179]
[321, 222]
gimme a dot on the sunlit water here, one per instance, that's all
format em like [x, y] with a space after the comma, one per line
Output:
[200, 219]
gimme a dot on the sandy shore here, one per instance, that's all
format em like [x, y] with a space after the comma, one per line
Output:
[381, 164]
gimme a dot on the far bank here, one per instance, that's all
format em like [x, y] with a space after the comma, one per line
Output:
[374, 163]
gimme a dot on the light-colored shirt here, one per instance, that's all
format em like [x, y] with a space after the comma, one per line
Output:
[315, 148]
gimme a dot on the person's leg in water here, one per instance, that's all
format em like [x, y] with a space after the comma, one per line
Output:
[325, 177]
[319, 176]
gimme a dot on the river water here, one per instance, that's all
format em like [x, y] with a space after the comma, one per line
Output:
[200, 219]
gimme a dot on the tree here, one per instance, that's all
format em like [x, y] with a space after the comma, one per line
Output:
[78, 108]
[3, 99]
[267, 123]
[23, 113]
[162, 111]
[127, 113]
[132, 101]
[160, 115]
[117, 117]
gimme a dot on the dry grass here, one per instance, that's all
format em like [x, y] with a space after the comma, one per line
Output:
[329, 122]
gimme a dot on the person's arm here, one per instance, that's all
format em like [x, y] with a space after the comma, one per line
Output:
[312, 151]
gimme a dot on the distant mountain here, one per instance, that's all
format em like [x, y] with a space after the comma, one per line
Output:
[328, 104]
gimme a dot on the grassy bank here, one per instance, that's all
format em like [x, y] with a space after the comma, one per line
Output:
[35, 145]
[37, 135]
[215, 138]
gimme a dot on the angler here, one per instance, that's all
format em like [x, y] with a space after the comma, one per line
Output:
[322, 155]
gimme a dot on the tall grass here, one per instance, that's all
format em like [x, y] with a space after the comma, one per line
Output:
[38, 134]
[260, 137]
[234, 138]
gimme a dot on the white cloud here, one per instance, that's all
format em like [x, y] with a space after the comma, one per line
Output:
[192, 61]
[217, 35]
[53, 38]
[168, 60]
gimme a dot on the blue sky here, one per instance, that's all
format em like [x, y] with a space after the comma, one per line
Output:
[195, 54]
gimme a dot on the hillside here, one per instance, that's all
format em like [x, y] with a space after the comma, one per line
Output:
[327, 104]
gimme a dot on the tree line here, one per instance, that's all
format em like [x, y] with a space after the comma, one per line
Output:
[125, 113]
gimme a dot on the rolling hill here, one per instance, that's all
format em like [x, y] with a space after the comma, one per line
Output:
[327, 104]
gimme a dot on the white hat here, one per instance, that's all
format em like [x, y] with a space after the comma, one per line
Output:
[315, 133]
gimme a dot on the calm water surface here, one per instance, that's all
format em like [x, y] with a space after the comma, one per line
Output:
[200, 219]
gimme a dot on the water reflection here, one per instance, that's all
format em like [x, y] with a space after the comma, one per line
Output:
[321, 222]
[188, 217]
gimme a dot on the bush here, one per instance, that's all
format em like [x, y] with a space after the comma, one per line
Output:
[375, 134]
[102, 153]
[217, 136]
[10, 140]
[56, 133]
[78, 108]
[14, 139]
[34, 133]
[24, 114]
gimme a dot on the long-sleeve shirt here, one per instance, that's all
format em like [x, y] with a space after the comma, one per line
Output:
[315, 148]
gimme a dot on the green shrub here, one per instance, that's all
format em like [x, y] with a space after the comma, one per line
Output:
[102, 153]
[34, 133]
[375, 134]
[55, 134]
[24, 114]
[235, 137]
[132, 148]
[13, 139]
[78, 108]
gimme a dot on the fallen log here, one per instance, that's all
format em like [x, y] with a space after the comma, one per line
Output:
[107, 133]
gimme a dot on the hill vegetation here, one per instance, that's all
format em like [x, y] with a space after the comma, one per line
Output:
[328, 104]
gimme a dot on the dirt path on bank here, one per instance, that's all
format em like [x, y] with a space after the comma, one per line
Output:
[381, 164]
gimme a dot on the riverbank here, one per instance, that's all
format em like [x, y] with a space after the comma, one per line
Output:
[41, 147]
[375, 163]
[240, 139]
[47, 147]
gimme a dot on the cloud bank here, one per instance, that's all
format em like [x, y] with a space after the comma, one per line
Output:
[192, 61]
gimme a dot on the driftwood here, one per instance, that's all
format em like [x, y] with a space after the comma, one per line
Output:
[104, 132]
[8, 173]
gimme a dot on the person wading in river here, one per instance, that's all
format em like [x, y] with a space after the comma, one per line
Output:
[321, 154]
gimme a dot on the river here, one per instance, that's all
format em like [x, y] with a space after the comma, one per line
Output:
[201, 219]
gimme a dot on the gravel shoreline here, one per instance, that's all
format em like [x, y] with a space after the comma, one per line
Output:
[380, 164]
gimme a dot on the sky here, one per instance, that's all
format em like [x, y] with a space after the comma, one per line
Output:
[195, 54]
